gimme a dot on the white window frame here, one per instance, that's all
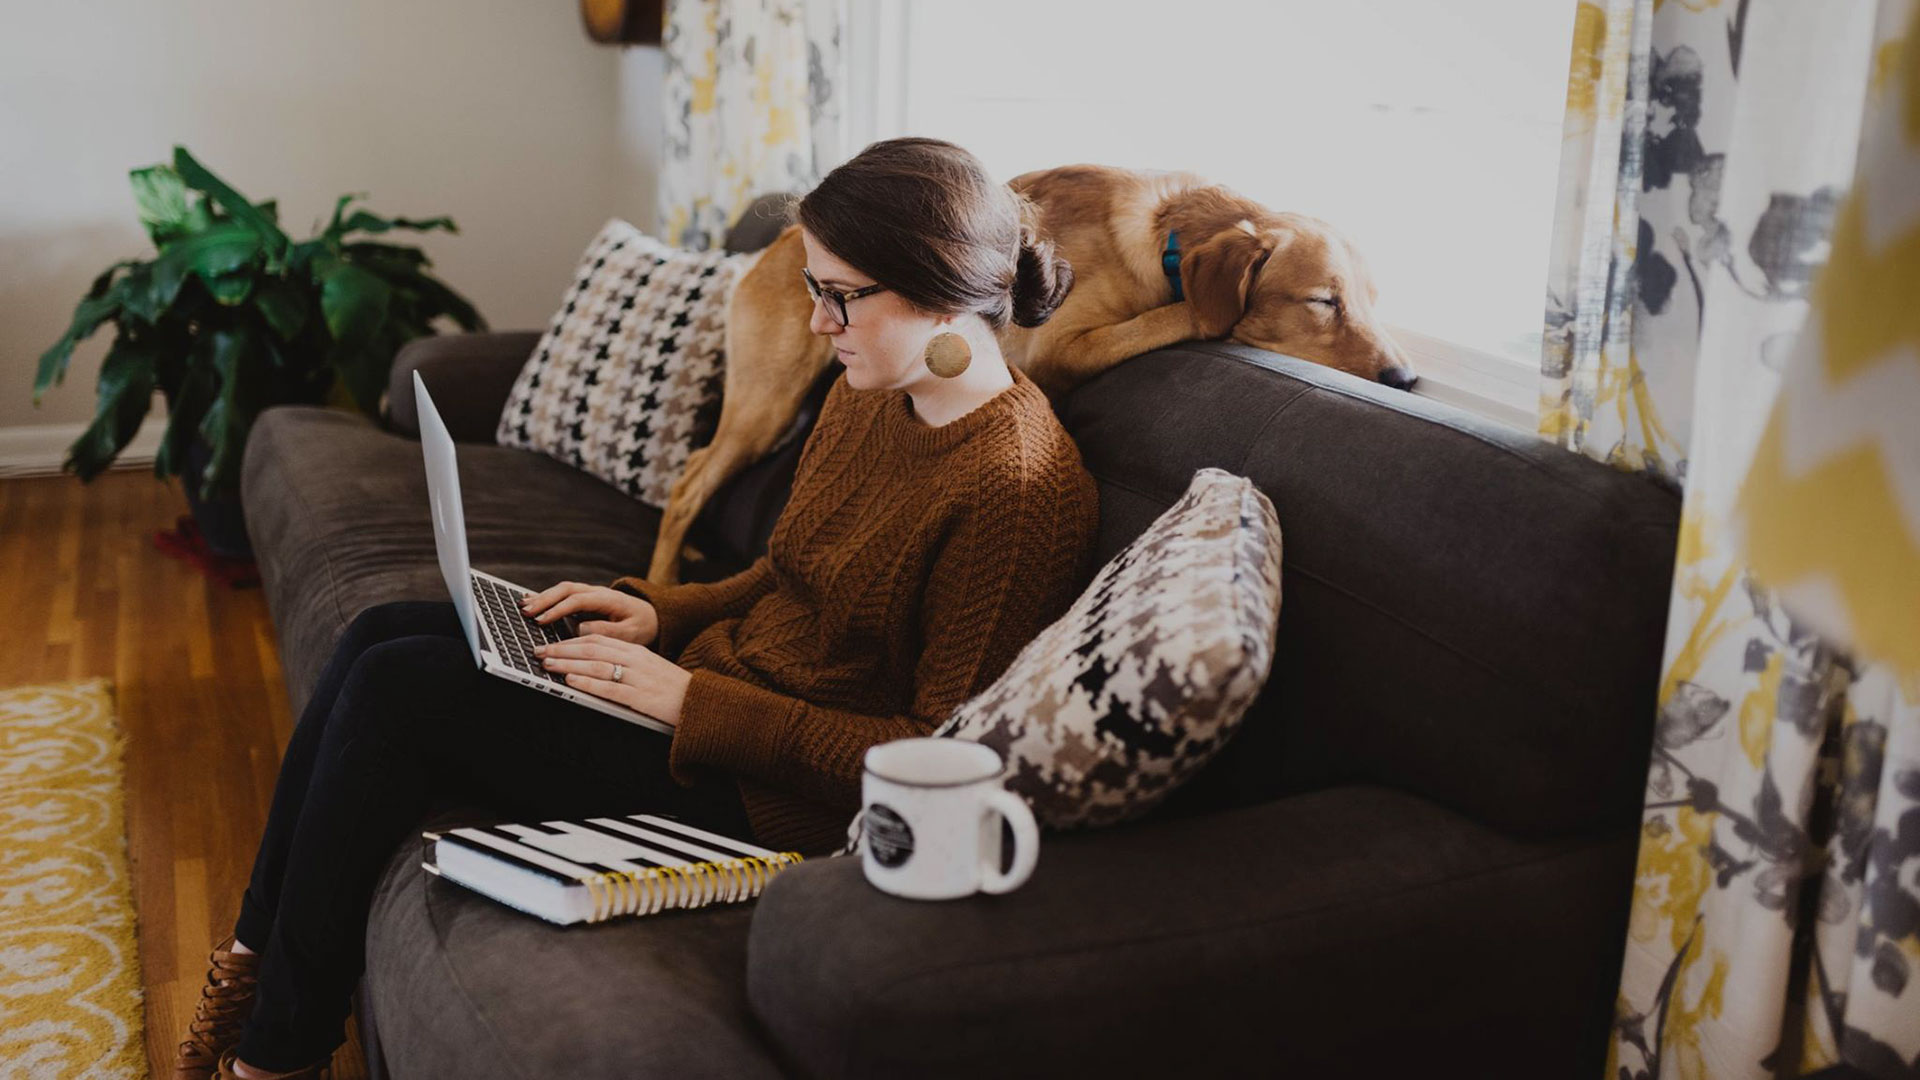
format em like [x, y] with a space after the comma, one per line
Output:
[878, 32]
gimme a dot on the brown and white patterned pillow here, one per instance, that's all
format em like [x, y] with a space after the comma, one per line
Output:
[626, 381]
[1147, 675]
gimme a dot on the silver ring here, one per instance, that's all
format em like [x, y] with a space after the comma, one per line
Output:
[617, 669]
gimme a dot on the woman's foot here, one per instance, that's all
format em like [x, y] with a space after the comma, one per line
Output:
[231, 1069]
[225, 1003]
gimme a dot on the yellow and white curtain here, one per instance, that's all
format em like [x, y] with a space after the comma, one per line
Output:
[753, 107]
[1708, 179]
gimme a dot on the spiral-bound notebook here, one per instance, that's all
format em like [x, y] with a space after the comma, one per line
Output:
[599, 868]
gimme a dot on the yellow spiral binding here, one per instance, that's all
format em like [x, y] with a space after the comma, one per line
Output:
[658, 888]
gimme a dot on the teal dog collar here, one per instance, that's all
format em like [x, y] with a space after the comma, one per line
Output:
[1170, 264]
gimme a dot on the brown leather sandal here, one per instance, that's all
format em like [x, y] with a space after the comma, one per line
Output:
[311, 1072]
[225, 1003]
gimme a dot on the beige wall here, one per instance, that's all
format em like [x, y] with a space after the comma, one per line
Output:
[498, 112]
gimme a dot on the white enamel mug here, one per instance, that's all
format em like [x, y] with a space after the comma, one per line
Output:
[930, 820]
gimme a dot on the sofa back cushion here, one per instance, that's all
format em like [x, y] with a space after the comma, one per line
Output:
[626, 381]
[1472, 613]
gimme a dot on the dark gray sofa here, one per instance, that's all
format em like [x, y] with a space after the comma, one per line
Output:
[1415, 857]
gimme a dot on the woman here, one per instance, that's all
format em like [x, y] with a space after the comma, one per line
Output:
[940, 517]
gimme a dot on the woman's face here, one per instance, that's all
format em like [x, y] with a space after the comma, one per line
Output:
[882, 343]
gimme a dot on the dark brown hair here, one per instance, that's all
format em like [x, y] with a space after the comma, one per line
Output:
[923, 217]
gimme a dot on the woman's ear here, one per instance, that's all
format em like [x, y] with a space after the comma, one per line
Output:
[1217, 272]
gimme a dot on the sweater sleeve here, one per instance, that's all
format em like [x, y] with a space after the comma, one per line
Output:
[995, 584]
[687, 609]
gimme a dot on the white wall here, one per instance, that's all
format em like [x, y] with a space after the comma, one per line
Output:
[500, 113]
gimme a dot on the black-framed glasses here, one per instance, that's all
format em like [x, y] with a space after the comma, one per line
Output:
[836, 301]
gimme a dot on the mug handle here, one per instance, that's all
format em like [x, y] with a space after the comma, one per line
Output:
[1026, 843]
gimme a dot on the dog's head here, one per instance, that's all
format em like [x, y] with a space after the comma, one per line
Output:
[1292, 286]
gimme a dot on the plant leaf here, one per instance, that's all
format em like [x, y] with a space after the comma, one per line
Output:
[233, 356]
[386, 258]
[186, 408]
[231, 289]
[272, 240]
[220, 249]
[361, 221]
[200, 216]
[282, 304]
[161, 197]
[105, 279]
[88, 314]
[340, 205]
[354, 302]
[442, 300]
[140, 296]
[301, 256]
[364, 372]
[124, 398]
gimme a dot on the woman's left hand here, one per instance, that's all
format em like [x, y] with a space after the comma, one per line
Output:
[648, 683]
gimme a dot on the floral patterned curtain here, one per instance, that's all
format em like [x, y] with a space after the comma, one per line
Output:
[1709, 145]
[753, 106]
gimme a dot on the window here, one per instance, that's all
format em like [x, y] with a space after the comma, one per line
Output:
[1429, 133]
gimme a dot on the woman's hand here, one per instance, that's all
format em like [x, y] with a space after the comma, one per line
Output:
[648, 682]
[628, 617]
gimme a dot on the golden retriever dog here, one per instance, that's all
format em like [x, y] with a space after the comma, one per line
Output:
[1284, 282]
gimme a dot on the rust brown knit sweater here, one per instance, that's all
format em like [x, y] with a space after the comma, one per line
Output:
[909, 567]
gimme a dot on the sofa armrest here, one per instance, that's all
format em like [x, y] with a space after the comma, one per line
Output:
[469, 376]
[1350, 931]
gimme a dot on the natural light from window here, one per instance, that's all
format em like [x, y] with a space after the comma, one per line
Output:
[1428, 132]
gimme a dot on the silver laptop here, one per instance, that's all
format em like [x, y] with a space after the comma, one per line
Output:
[502, 637]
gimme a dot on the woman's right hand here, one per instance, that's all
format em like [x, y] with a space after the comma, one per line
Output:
[628, 617]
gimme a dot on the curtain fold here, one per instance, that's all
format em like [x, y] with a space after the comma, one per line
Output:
[1708, 149]
[752, 101]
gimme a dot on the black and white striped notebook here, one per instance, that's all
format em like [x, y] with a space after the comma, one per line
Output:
[598, 868]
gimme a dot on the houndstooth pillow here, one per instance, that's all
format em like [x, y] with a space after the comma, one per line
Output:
[1145, 677]
[626, 381]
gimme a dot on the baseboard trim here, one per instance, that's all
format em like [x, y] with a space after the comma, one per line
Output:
[39, 449]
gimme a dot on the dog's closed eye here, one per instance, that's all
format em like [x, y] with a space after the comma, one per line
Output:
[1330, 303]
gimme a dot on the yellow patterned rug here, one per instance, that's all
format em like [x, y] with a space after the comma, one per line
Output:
[69, 969]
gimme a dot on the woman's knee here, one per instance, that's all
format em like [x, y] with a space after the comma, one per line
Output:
[401, 686]
[398, 619]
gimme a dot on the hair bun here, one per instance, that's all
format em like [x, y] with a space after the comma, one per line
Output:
[1041, 280]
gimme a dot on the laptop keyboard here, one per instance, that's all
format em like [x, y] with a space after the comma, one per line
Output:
[514, 634]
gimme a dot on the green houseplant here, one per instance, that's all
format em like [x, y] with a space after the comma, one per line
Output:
[231, 316]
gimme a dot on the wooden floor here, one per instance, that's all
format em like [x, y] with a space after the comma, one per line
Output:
[200, 700]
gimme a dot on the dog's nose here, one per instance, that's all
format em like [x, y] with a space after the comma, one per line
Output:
[1399, 378]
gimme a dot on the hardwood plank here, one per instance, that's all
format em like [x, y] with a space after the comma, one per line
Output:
[199, 694]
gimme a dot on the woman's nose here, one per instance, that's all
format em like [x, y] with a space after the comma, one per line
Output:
[820, 322]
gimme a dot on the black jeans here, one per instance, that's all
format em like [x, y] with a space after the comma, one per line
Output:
[400, 721]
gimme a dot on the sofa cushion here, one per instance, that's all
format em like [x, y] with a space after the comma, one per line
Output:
[337, 510]
[1354, 931]
[467, 989]
[1148, 673]
[626, 381]
[1473, 613]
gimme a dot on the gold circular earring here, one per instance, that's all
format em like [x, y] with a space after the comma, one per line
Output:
[948, 354]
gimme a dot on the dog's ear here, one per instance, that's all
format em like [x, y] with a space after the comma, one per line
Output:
[1217, 272]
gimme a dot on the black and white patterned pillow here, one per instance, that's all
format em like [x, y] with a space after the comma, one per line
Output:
[1147, 675]
[626, 381]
